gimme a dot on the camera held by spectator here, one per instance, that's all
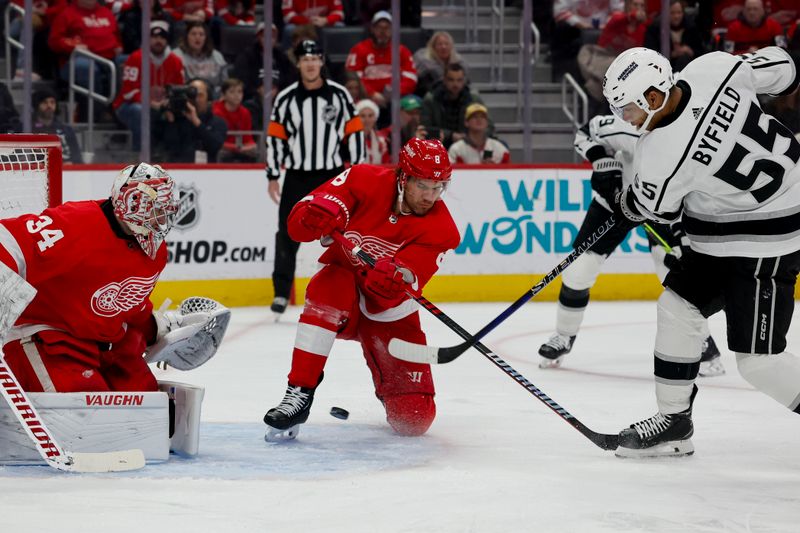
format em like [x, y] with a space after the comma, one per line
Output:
[178, 96]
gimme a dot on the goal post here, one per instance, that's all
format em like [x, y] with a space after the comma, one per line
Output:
[30, 166]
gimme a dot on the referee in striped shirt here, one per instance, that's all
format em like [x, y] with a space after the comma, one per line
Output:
[313, 124]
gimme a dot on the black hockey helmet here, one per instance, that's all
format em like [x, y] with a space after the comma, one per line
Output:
[307, 48]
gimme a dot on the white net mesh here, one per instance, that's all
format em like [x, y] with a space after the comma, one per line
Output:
[24, 184]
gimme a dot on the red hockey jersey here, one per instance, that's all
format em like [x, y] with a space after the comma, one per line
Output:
[374, 67]
[167, 72]
[367, 194]
[300, 11]
[96, 28]
[92, 283]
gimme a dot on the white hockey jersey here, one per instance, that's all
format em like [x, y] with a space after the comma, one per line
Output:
[732, 169]
[608, 136]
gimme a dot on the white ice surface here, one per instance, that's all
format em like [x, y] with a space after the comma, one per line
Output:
[495, 460]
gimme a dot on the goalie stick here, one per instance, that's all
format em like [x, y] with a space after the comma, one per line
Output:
[46, 445]
[421, 353]
[602, 440]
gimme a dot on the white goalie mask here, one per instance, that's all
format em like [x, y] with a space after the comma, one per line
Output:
[143, 202]
[632, 74]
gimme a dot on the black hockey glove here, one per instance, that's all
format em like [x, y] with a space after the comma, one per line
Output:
[682, 254]
[607, 178]
[625, 212]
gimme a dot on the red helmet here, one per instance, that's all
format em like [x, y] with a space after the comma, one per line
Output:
[425, 160]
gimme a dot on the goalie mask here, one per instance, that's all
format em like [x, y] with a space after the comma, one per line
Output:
[143, 201]
[630, 76]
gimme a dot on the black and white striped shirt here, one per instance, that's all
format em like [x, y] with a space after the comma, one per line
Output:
[308, 129]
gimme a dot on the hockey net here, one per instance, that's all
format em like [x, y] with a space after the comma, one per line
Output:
[30, 173]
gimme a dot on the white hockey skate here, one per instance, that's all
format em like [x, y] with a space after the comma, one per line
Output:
[554, 350]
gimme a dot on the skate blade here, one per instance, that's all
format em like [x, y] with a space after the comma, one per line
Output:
[675, 448]
[282, 435]
[545, 363]
[710, 369]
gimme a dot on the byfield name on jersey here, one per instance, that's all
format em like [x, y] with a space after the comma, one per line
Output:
[720, 122]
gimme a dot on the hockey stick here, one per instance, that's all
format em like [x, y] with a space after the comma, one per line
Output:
[46, 445]
[603, 440]
[420, 353]
[649, 229]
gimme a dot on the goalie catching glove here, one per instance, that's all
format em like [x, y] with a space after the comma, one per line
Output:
[190, 335]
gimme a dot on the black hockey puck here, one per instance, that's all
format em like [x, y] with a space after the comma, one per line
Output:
[338, 412]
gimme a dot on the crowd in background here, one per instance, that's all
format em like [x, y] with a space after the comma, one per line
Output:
[198, 94]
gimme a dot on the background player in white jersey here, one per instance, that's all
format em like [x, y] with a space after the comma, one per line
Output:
[608, 143]
[710, 153]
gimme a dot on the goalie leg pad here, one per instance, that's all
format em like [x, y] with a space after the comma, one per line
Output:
[188, 401]
[776, 375]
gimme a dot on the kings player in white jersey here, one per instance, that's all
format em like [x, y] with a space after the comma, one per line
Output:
[709, 153]
[608, 143]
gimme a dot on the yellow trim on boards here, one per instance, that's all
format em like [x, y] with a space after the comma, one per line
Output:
[477, 288]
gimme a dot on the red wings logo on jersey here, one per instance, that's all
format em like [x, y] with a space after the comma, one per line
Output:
[119, 297]
[374, 246]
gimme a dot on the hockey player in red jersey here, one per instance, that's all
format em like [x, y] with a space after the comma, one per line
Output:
[398, 217]
[92, 266]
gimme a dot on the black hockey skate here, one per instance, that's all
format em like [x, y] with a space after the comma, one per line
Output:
[285, 419]
[710, 360]
[660, 435]
[278, 306]
[554, 350]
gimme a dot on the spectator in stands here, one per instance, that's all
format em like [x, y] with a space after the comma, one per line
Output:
[256, 104]
[576, 21]
[9, 116]
[752, 30]
[236, 148]
[236, 12]
[687, 41]
[354, 86]
[251, 61]
[317, 13]
[444, 108]
[130, 23]
[85, 25]
[165, 69]
[42, 17]
[410, 124]
[200, 59]
[477, 147]
[372, 59]
[410, 11]
[433, 59]
[188, 10]
[45, 121]
[785, 12]
[625, 29]
[194, 135]
[377, 149]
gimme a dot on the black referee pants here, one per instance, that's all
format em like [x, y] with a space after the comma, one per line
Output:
[296, 185]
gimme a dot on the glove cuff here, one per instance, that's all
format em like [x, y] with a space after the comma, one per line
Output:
[606, 164]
